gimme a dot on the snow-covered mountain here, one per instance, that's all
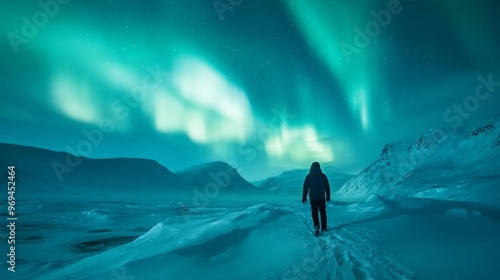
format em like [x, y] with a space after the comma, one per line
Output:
[461, 164]
[43, 173]
[217, 175]
[290, 182]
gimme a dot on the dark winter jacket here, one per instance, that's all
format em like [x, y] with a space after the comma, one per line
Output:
[316, 184]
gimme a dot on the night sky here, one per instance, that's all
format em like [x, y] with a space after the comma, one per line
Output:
[267, 86]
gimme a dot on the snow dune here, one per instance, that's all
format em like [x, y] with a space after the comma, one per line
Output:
[174, 234]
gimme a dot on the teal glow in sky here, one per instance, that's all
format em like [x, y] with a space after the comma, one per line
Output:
[272, 86]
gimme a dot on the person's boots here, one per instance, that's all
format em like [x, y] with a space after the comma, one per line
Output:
[316, 231]
[324, 224]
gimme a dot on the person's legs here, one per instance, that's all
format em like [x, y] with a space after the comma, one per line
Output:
[314, 209]
[322, 211]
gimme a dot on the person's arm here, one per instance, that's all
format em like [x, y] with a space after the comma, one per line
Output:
[327, 188]
[305, 189]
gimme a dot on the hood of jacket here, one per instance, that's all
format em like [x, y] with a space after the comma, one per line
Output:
[315, 168]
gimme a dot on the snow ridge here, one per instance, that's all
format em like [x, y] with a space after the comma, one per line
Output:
[166, 236]
[440, 157]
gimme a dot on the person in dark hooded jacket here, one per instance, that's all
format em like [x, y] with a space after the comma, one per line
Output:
[317, 186]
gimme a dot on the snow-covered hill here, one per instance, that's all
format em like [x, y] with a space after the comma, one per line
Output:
[218, 175]
[462, 164]
[42, 173]
[290, 182]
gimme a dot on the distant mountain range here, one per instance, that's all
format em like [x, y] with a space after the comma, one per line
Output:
[216, 174]
[45, 174]
[461, 164]
[291, 182]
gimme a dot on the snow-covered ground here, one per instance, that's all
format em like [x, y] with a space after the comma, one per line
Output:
[411, 238]
[426, 209]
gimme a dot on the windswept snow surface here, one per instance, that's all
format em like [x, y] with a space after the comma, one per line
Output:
[411, 238]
